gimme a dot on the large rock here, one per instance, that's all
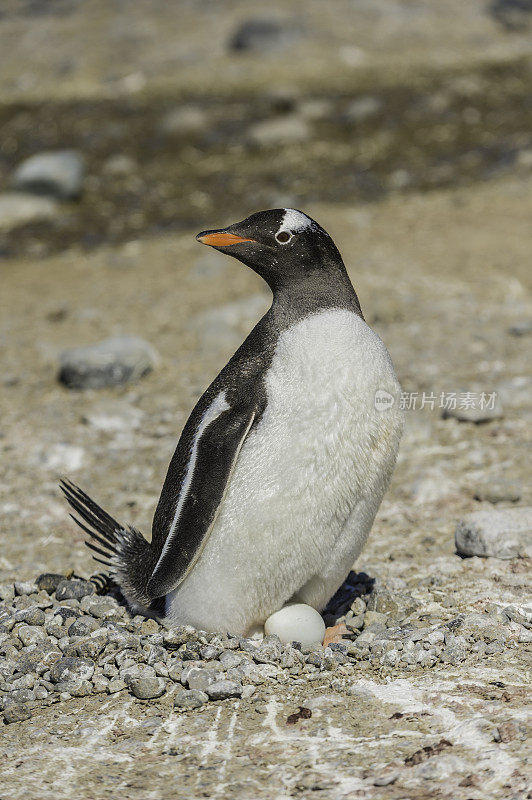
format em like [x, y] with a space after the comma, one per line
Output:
[505, 533]
[17, 209]
[111, 362]
[58, 173]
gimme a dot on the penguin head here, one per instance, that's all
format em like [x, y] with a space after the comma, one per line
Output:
[282, 245]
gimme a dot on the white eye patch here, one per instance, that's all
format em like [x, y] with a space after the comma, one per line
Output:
[293, 222]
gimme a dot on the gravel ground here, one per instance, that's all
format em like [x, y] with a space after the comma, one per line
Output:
[406, 132]
[428, 697]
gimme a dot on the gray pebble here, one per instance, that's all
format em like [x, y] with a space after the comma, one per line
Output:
[19, 696]
[28, 634]
[25, 588]
[16, 714]
[220, 690]
[76, 687]
[73, 589]
[499, 533]
[19, 208]
[112, 362]
[7, 592]
[147, 688]
[49, 581]
[82, 626]
[190, 698]
[31, 616]
[229, 659]
[72, 668]
[202, 678]
[498, 491]
[263, 35]
[116, 685]
[209, 652]
[374, 618]
[53, 172]
[268, 651]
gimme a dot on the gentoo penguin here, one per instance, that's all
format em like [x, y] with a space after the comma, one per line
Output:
[282, 464]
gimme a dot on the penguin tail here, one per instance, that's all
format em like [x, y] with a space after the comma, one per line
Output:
[121, 548]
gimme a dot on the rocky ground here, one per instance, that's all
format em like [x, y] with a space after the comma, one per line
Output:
[114, 320]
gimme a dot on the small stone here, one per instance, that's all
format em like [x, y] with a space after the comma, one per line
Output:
[112, 362]
[177, 636]
[67, 613]
[73, 589]
[522, 327]
[149, 626]
[374, 618]
[263, 35]
[29, 635]
[355, 623]
[77, 687]
[58, 173]
[147, 688]
[99, 684]
[131, 672]
[24, 682]
[248, 691]
[210, 652]
[7, 592]
[268, 651]
[119, 165]
[386, 780]
[502, 533]
[190, 698]
[90, 646]
[72, 668]
[37, 659]
[19, 696]
[116, 685]
[221, 690]
[289, 129]
[31, 616]
[229, 659]
[184, 122]
[16, 714]
[296, 623]
[83, 626]
[498, 491]
[102, 607]
[49, 581]
[475, 413]
[17, 209]
[363, 108]
[25, 587]
[202, 678]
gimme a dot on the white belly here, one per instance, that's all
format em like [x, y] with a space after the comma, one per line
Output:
[308, 481]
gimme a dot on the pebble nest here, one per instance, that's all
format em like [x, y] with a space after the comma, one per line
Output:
[60, 638]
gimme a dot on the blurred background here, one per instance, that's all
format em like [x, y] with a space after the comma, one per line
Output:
[403, 126]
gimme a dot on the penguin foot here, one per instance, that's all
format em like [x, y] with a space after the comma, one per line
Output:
[334, 634]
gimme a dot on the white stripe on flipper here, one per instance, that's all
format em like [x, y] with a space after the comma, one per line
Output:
[217, 407]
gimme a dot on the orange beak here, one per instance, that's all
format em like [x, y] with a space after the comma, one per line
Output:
[222, 239]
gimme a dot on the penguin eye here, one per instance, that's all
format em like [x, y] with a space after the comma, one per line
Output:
[283, 237]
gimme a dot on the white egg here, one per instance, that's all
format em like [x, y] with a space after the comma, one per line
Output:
[296, 623]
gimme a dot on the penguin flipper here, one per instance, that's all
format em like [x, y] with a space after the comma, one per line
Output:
[215, 448]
